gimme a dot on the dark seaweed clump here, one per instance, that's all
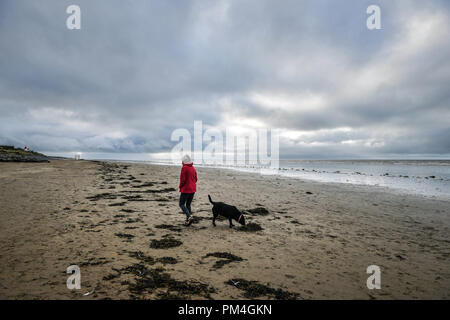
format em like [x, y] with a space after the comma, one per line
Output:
[142, 257]
[251, 227]
[132, 197]
[93, 262]
[100, 196]
[150, 260]
[260, 211]
[161, 199]
[124, 235]
[118, 204]
[254, 289]
[170, 296]
[129, 220]
[145, 184]
[165, 243]
[148, 280]
[160, 190]
[226, 258]
[113, 275]
[168, 227]
[136, 269]
[167, 260]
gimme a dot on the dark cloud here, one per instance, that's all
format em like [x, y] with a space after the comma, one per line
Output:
[137, 70]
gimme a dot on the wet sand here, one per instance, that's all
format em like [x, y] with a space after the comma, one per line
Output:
[120, 223]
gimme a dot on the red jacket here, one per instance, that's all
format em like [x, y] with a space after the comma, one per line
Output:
[188, 179]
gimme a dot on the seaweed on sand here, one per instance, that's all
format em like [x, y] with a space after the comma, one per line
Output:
[142, 257]
[168, 227]
[251, 227]
[124, 235]
[254, 289]
[167, 260]
[150, 260]
[159, 191]
[161, 199]
[100, 196]
[145, 184]
[259, 211]
[113, 275]
[129, 220]
[93, 262]
[165, 243]
[138, 269]
[118, 204]
[167, 295]
[131, 197]
[128, 210]
[148, 280]
[226, 258]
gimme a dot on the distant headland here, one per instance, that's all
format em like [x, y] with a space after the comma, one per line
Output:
[12, 154]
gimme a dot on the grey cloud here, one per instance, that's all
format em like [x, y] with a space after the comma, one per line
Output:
[139, 69]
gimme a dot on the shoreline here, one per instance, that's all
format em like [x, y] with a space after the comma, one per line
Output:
[370, 187]
[315, 243]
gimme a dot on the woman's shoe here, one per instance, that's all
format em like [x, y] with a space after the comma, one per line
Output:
[189, 221]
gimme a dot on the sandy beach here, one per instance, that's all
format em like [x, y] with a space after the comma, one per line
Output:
[121, 224]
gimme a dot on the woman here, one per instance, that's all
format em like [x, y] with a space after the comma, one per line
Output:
[188, 186]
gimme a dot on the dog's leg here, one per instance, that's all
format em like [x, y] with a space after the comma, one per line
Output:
[231, 222]
[214, 218]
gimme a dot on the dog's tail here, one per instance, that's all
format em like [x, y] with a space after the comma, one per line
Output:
[210, 200]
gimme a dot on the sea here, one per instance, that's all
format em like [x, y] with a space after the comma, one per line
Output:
[424, 177]
[430, 178]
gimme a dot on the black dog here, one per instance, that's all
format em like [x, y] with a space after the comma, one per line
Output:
[227, 211]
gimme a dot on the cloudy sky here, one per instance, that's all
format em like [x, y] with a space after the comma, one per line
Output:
[137, 70]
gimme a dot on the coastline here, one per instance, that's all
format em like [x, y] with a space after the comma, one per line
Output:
[432, 186]
[316, 242]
